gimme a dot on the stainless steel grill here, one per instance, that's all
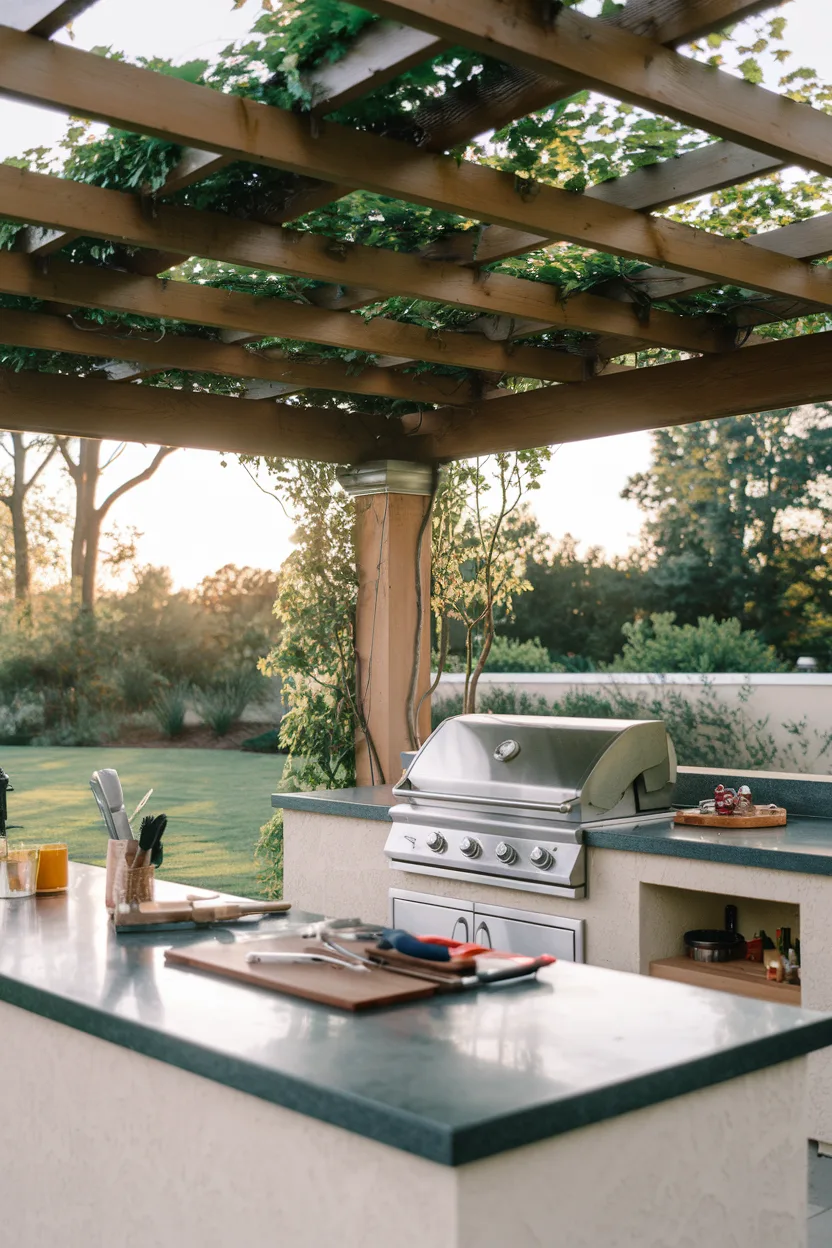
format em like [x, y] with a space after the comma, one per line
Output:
[505, 799]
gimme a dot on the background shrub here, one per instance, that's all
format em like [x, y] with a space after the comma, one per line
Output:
[169, 706]
[658, 644]
[221, 705]
[21, 719]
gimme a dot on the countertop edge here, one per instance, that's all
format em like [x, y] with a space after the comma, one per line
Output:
[391, 1127]
[592, 1108]
[320, 803]
[345, 804]
[403, 1131]
[804, 863]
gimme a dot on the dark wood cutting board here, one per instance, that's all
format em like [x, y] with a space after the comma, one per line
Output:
[316, 981]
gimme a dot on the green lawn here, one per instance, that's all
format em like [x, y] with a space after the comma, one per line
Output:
[215, 800]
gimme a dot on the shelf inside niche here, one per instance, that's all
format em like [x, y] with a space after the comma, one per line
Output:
[744, 979]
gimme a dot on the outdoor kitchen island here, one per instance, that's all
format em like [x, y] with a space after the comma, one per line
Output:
[149, 1105]
[646, 883]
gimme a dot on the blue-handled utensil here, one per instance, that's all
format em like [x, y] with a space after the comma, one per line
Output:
[412, 947]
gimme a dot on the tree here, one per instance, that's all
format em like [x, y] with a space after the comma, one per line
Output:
[86, 472]
[579, 603]
[740, 522]
[15, 489]
[238, 608]
[480, 552]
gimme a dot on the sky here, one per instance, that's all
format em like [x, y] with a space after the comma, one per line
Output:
[196, 515]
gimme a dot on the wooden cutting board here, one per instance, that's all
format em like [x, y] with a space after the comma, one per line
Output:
[764, 818]
[315, 981]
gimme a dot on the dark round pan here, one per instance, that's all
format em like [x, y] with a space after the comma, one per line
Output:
[711, 945]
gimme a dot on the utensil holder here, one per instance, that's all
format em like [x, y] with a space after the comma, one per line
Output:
[132, 884]
[116, 851]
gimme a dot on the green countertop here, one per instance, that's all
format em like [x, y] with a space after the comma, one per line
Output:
[804, 845]
[452, 1080]
[359, 803]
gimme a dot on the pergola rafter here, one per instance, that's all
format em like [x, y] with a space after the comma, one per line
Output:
[124, 218]
[462, 114]
[182, 112]
[638, 70]
[186, 353]
[548, 61]
[41, 17]
[381, 52]
[86, 286]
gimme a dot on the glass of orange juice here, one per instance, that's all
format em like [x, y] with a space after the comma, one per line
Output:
[53, 869]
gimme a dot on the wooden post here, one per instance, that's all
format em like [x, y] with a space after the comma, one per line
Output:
[392, 497]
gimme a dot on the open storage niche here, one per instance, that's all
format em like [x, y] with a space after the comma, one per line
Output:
[667, 913]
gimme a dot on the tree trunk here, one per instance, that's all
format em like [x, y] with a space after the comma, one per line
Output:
[16, 501]
[22, 570]
[89, 519]
[86, 532]
[91, 548]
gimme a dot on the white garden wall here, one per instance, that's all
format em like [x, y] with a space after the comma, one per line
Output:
[782, 697]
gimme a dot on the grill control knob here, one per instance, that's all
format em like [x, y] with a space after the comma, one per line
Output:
[506, 853]
[470, 847]
[437, 843]
[541, 858]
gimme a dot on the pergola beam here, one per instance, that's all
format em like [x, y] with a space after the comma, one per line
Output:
[85, 286]
[803, 240]
[144, 356]
[92, 408]
[668, 21]
[387, 48]
[675, 22]
[550, 39]
[706, 169]
[770, 375]
[380, 52]
[169, 108]
[461, 113]
[41, 17]
[123, 218]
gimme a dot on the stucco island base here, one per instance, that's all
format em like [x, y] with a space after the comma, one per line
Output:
[637, 907]
[102, 1146]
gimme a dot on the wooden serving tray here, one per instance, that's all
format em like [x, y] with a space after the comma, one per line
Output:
[764, 818]
[316, 981]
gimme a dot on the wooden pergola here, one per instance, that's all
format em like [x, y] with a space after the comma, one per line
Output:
[549, 52]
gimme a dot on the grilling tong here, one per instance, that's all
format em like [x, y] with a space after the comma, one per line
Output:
[449, 964]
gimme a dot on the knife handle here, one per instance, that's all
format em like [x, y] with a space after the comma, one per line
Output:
[529, 967]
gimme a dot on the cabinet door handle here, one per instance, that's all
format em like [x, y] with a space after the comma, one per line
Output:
[483, 936]
[464, 923]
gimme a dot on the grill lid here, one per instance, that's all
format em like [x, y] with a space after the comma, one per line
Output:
[579, 768]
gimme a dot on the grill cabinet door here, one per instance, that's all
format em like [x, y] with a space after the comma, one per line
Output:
[425, 918]
[527, 936]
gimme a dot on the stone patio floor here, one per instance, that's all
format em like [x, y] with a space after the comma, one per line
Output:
[820, 1199]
